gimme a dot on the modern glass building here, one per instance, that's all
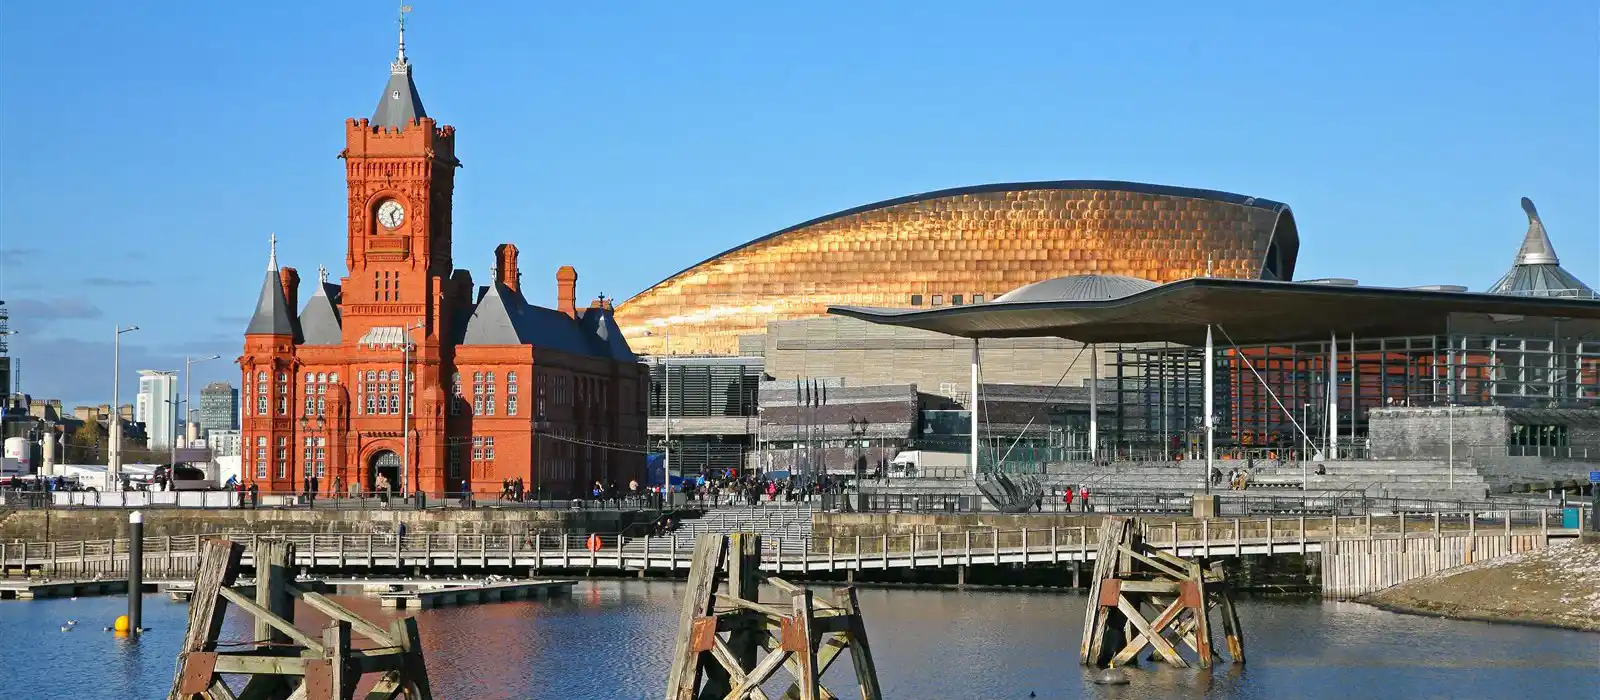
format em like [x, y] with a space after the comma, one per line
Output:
[1320, 366]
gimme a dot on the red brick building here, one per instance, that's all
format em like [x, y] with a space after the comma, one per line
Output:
[495, 387]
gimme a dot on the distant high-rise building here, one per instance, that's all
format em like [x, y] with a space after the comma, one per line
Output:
[157, 406]
[219, 407]
[223, 443]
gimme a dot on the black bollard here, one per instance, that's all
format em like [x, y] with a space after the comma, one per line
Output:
[1594, 505]
[135, 571]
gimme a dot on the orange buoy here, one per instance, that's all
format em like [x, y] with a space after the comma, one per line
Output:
[594, 543]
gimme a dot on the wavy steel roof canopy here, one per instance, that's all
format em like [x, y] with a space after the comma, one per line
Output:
[1251, 311]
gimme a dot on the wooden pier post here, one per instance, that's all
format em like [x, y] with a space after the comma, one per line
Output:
[803, 637]
[1131, 577]
[288, 663]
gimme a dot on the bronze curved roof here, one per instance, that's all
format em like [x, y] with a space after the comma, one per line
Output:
[1108, 185]
[959, 246]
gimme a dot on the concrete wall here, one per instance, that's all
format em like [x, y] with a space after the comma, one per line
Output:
[1424, 433]
[87, 524]
[865, 354]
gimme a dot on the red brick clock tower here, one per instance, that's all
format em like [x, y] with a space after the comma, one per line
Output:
[408, 375]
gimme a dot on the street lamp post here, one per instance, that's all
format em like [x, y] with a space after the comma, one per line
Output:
[318, 452]
[666, 430]
[178, 407]
[405, 411]
[188, 362]
[858, 435]
[114, 455]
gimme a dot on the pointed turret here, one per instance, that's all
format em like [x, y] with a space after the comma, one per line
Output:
[319, 321]
[272, 316]
[1537, 271]
[400, 104]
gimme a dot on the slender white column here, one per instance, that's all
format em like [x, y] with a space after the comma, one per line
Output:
[1094, 403]
[972, 405]
[1333, 396]
[1210, 392]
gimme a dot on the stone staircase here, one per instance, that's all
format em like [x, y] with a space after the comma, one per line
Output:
[1419, 479]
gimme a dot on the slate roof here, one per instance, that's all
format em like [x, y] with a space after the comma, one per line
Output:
[319, 321]
[272, 316]
[400, 104]
[600, 325]
[503, 317]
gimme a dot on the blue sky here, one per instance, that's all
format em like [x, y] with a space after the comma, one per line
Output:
[151, 148]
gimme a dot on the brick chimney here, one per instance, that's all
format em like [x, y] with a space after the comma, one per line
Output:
[567, 291]
[505, 267]
[290, 280]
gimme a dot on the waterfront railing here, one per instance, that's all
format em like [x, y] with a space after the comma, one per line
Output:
[177, 555]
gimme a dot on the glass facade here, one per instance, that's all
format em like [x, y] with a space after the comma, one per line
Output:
[1277, 397]
[957, 246]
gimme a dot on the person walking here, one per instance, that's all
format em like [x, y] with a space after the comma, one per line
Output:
[338, 487]
[1066, 498]
[466, 494]
[1083, 497]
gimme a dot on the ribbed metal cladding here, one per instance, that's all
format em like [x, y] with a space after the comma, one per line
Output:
[704, 390]
[957, 246]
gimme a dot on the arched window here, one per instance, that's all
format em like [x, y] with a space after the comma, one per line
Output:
[394, 375]
[372, 376]
[321, 377]
[311, 377]
[333, 377]
[261, 376]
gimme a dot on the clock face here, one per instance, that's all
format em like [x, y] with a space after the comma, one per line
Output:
[390, 214]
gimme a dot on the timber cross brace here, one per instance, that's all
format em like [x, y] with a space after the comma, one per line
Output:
[1130, 579]
[803, 635]
[281, 662]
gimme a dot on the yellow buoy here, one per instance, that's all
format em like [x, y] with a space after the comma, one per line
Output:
[121, 625]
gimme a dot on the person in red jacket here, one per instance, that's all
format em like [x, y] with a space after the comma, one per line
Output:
[1083, 497]
[1067, 498]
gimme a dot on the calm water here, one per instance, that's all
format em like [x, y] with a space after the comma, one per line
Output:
[611, 640]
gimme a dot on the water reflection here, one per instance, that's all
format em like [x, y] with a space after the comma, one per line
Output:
[612, 639]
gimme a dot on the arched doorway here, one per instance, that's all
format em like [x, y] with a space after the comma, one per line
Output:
[387, 463]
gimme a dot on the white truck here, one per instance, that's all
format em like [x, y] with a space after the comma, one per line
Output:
[929, 463]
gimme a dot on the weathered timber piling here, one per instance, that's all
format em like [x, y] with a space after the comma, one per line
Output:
[1130, 580]
[282, 661]
[803, 635]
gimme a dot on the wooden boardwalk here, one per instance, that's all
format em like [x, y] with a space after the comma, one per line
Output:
[1484, 534]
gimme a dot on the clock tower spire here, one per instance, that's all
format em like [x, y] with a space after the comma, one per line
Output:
[400, 173]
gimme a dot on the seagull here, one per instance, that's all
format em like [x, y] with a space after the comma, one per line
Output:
[66, 628]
